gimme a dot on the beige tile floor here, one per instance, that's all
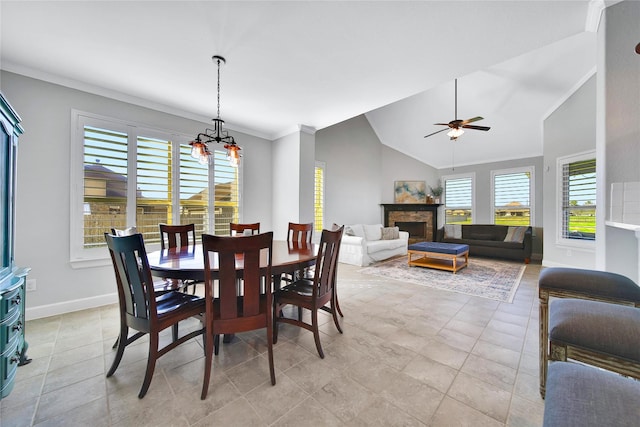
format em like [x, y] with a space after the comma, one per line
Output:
[410, 355]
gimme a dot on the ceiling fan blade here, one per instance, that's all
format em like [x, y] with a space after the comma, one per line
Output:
[476, 127]
[475, 119]
[442, 130]
[441, 124]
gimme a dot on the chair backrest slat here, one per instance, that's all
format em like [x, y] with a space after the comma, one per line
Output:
[300, 233]
[236, 229]
[177, 236]
[324, 277]
[238, 300]
[133, 275]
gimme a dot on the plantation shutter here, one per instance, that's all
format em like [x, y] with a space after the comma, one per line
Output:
[154, 190]
[579, 200]
[105, 183]
[227, 198]
[194, 192]
[319, 199]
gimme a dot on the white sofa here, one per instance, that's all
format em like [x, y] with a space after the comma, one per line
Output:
[363, 244]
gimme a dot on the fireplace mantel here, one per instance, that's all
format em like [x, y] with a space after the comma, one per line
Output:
[397, 212]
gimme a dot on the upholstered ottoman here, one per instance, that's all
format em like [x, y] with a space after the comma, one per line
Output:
[560, 282]
[583, 396]
[443, 256]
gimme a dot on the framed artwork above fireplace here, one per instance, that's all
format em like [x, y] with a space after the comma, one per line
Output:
[410, 192]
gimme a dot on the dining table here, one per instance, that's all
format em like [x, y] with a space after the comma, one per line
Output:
[187, 263]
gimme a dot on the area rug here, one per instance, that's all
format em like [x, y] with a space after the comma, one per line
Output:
[486, 278]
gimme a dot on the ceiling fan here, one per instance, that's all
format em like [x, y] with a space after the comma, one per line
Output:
[457, 125]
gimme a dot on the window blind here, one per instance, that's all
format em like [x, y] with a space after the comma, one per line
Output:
[318, 219]
[458, 193]
[512, 198]
[227, 199]
[105, 183]
[579, 200]
[194, 192]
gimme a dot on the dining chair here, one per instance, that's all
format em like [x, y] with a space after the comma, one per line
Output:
[298, 235]
[231, 308]
[141, 309]
[175, 236]
[179, 236]
[236, 229]
[312, 294]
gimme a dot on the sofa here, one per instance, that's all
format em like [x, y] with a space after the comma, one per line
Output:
[490, 240]
[364, 244]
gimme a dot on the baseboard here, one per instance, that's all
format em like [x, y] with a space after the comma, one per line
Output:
[48, 310]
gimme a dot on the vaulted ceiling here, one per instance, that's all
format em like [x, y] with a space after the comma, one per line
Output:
[317, 63]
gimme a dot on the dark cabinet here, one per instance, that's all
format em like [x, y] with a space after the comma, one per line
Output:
[13, 346]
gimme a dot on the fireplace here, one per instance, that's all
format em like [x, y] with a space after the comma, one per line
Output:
[420, 220]
[416, 229]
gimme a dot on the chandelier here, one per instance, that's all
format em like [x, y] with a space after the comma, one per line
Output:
[199, 146]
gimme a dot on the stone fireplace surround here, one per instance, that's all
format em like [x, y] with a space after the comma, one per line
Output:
[413, 218]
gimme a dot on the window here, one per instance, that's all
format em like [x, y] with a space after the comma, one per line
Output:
[227, 200]
[126, 175]
[577, 191]
[458, 199]
[318, 203]
[512, 196]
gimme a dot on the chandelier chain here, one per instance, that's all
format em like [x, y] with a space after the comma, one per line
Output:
[218, 60]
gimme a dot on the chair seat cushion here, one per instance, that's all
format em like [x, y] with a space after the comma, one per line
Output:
[589, 282]
[583, 396]
[173, 300]
[607, 328]
[302, 287]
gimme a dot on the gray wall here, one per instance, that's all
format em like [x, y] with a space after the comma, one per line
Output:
[570, 129]
[43, 198]
[484, 210]
[360, 172]
[618, 141]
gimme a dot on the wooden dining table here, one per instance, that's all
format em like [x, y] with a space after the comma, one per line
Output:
[187, 263]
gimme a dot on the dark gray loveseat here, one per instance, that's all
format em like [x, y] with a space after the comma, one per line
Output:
[489, 240]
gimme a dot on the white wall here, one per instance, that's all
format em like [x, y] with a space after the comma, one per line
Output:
[360, 172]
[43, 200]
[570, 129]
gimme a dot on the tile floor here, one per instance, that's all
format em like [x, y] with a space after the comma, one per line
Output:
[409, 355]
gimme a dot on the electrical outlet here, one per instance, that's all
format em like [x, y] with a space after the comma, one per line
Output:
[31, 285]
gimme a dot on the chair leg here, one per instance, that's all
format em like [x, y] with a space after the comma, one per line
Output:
[299, 314]
[316, 332]
[122, 343]
[151, 364]
[272, 370]
[337, 305]
[208, 350]
[544, 340]
[276, 311]
[174, 332]
[335, 315]
[216, 344]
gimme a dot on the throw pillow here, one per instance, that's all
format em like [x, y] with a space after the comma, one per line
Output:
[515, 234]
[453, 231]
[348, 231]
[390, 233]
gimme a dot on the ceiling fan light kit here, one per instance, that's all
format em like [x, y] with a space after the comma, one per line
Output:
[457, 125]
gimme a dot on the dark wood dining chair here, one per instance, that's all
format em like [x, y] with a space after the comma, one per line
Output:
[179, 236]
[141, 309]
[298, 235]
[237, 308]
[175, 236]
[312, 294]
[236, 229]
